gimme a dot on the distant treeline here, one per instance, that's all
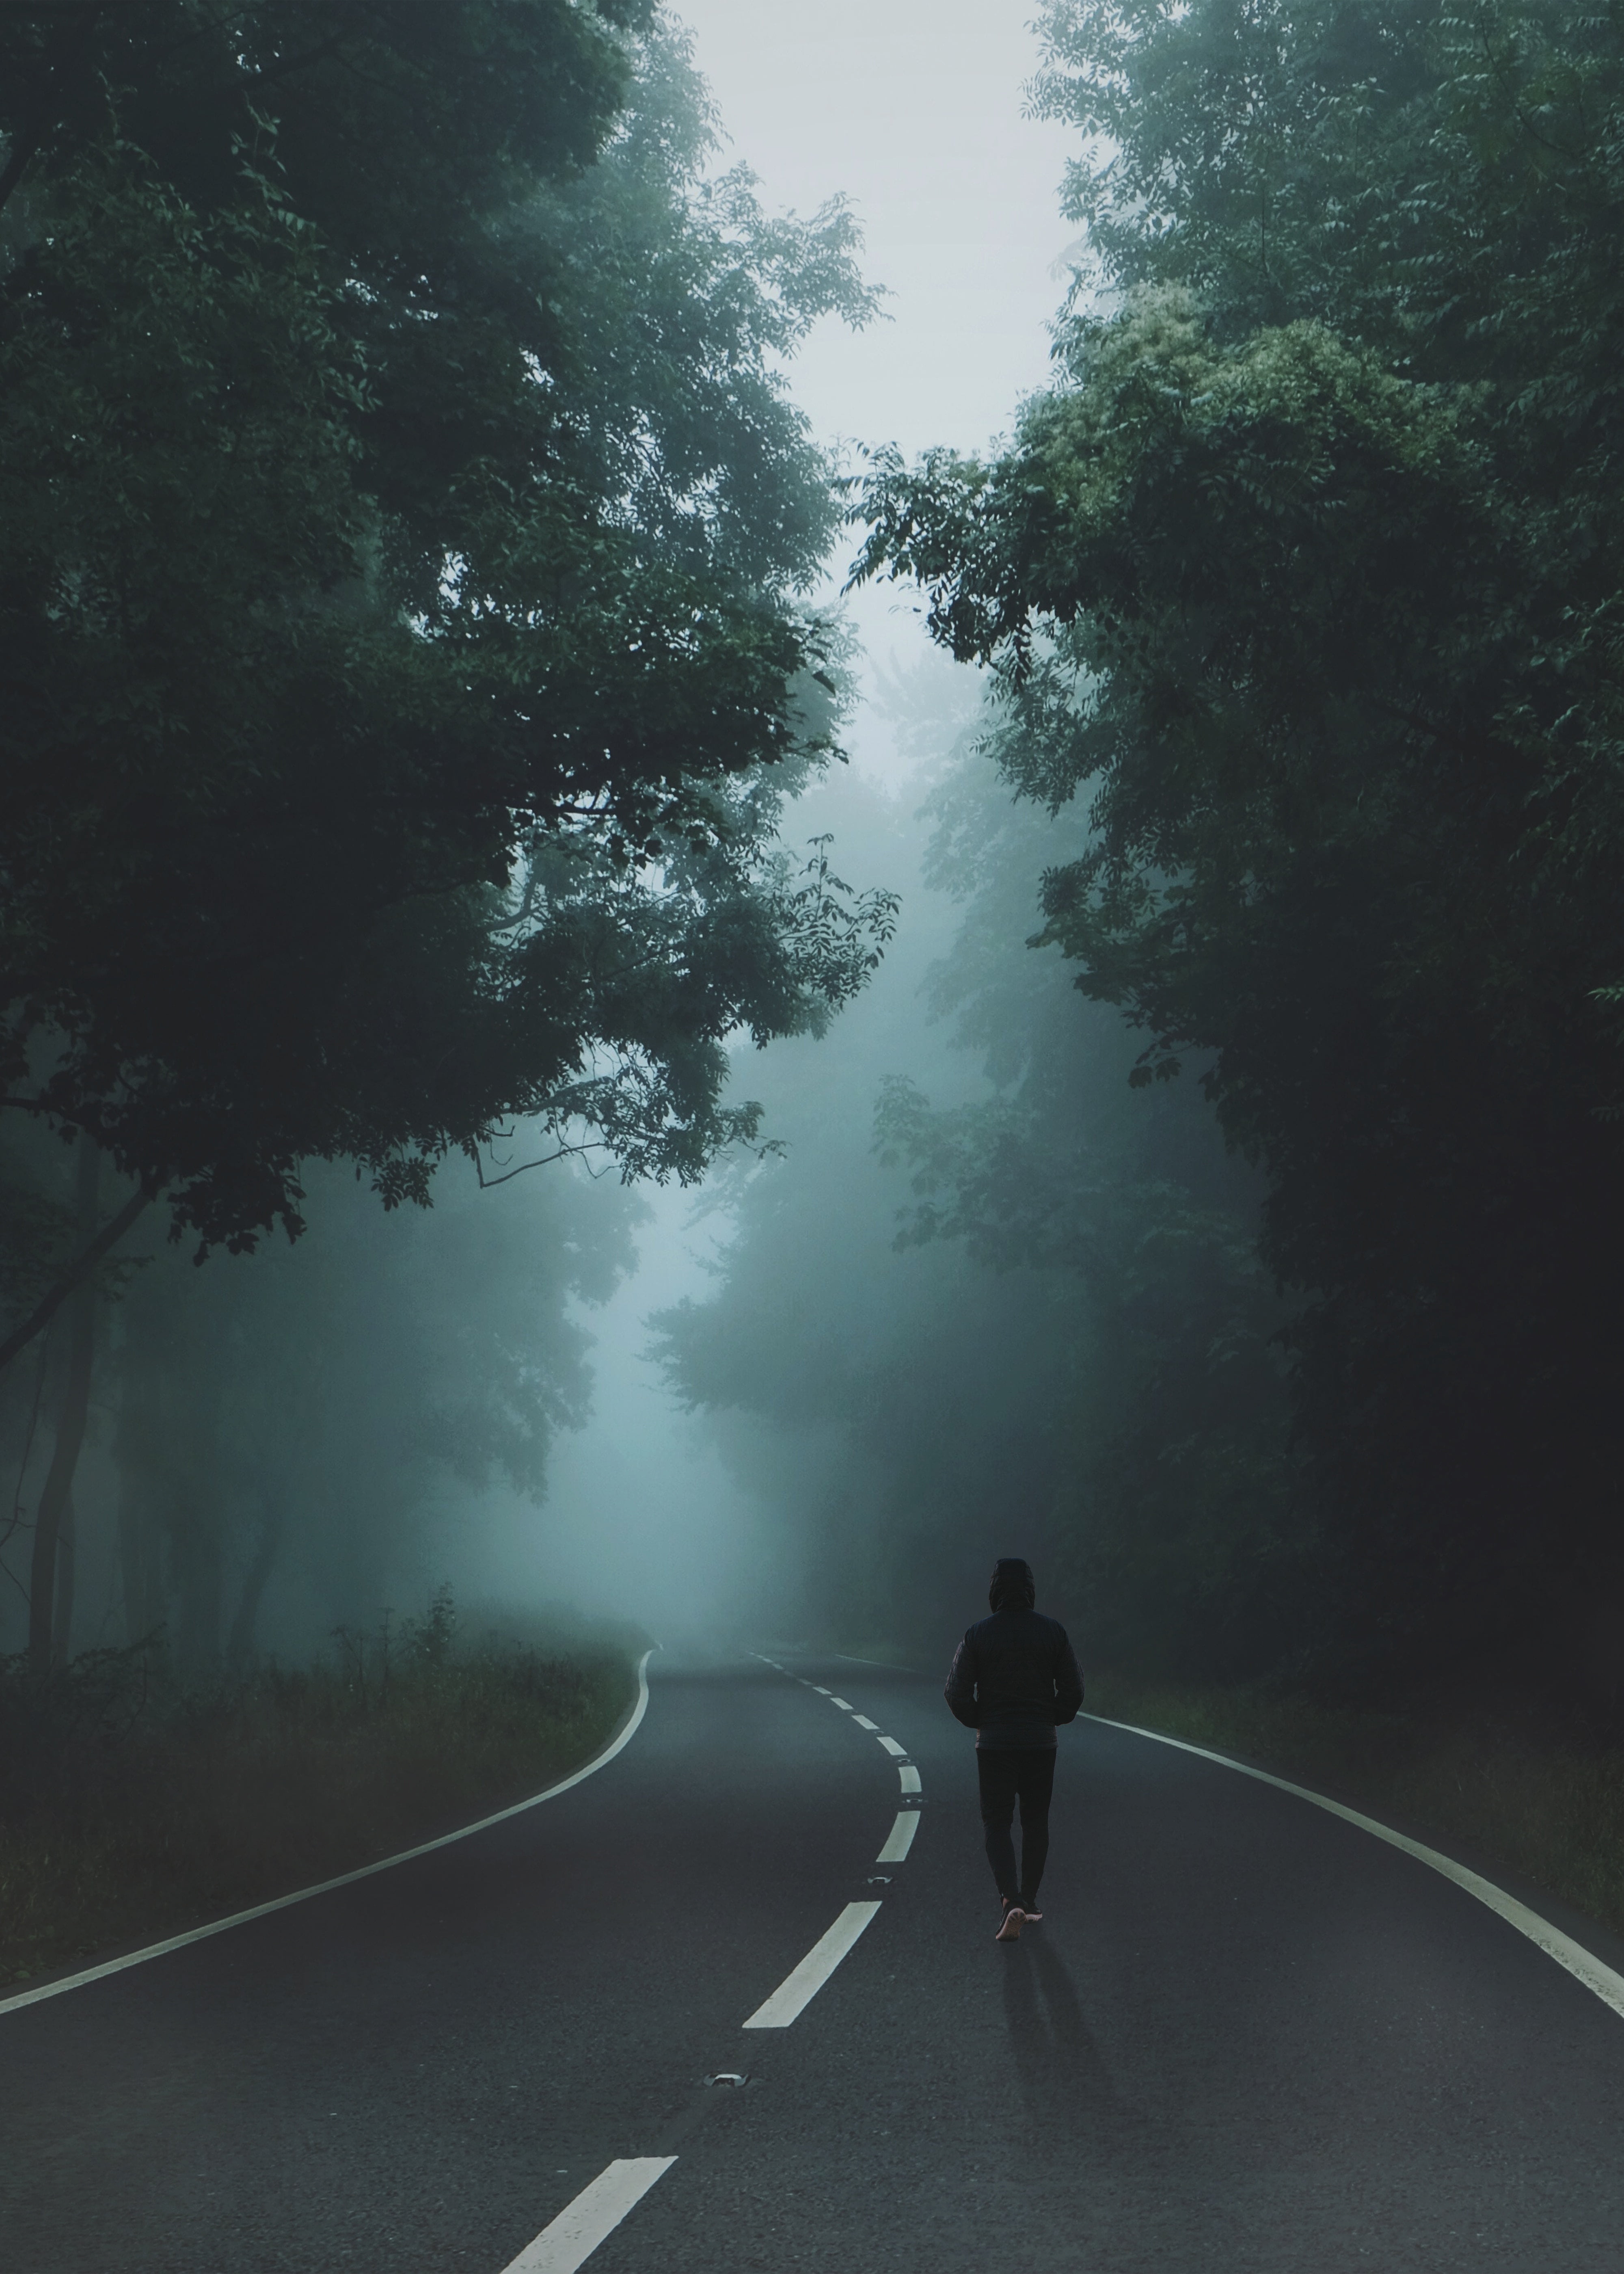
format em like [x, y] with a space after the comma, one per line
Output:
[268, 1445]
[1303, 593]
[1035, 1317]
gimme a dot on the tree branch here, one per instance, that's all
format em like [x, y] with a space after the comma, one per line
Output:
[543, 1161]
[85, 1263]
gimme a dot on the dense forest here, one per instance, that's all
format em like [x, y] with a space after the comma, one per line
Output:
[407, 658]
[1026, 1296]
[413, 693]
[1297, 596]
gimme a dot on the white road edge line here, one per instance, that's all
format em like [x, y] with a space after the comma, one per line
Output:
[1585, 1967]
[908, 1777]
[616, 1744]
[900, 1837]
[797, 1990]
[575, 2233]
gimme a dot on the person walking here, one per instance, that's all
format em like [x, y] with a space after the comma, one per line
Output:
[1014, 1677]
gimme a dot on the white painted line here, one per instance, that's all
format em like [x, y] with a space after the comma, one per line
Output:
[819, 1689]
[798, 1990]
[1596, 1976]
[840, 1702]
[575, 2233]
[909, 1776]
[900, 1838]
[863, 1723]
[898, 1753]
[345, 1878]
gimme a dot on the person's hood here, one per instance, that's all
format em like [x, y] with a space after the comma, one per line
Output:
[1014, 1587]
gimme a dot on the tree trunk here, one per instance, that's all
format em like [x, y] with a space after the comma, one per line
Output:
[69, 1430]
[143, 1452]
[78, 1273]
[195, 1568]
[239, 1647]
[194, 1512]
[137, 1548]
[67, 1559]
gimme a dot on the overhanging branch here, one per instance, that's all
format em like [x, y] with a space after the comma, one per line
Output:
[565, 1152]
[85, 1263]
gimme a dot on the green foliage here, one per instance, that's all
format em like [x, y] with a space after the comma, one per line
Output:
[398, 619]
[135, 1807]
[1306, 573]
[302, 1430]
[1171, 1495]
[877, 1401]
[1498, 1772]
[1036, 1315]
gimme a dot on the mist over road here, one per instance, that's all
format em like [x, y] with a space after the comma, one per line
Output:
[1247, 2035]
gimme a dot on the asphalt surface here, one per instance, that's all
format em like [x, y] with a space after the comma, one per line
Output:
[1247, 2035]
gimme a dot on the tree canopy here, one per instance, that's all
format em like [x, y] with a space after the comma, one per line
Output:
[1026, 1300]
[404, 525]
[1306, 574]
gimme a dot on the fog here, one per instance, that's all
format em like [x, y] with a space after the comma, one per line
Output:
[909, 1327]
[914, 111]
[813, 1396]
[1111, 1185]
[766, 831]
[280, 1440]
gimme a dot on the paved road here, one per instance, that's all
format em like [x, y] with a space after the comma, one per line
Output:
[1246, 2037]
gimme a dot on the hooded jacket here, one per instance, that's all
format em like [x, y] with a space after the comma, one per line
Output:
[1015, 1674]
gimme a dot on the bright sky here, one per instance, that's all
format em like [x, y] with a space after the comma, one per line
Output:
[913, 109]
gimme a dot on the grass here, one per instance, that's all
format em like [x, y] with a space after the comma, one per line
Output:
[1502, 1777]
[132, 1807]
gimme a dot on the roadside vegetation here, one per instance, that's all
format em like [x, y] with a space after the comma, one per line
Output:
[1510, 1781]
[1514, 1782]
[132, 1806]
[477, 463]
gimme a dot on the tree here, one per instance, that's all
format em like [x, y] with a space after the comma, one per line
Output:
[1022, 1294]
[302, 1434]
[1307, 572]
[402, 668]
[52, 1521]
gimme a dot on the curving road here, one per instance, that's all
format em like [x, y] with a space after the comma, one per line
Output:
[1246, 2037]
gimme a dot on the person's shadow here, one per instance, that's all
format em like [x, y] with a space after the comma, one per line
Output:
[1063, 2076]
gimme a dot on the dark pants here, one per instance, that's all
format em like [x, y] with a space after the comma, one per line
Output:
[1026, 1774]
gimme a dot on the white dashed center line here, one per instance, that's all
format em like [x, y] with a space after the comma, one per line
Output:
[797, 1990]
[900, 1838]
[575, 2233]
[794, 1993]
